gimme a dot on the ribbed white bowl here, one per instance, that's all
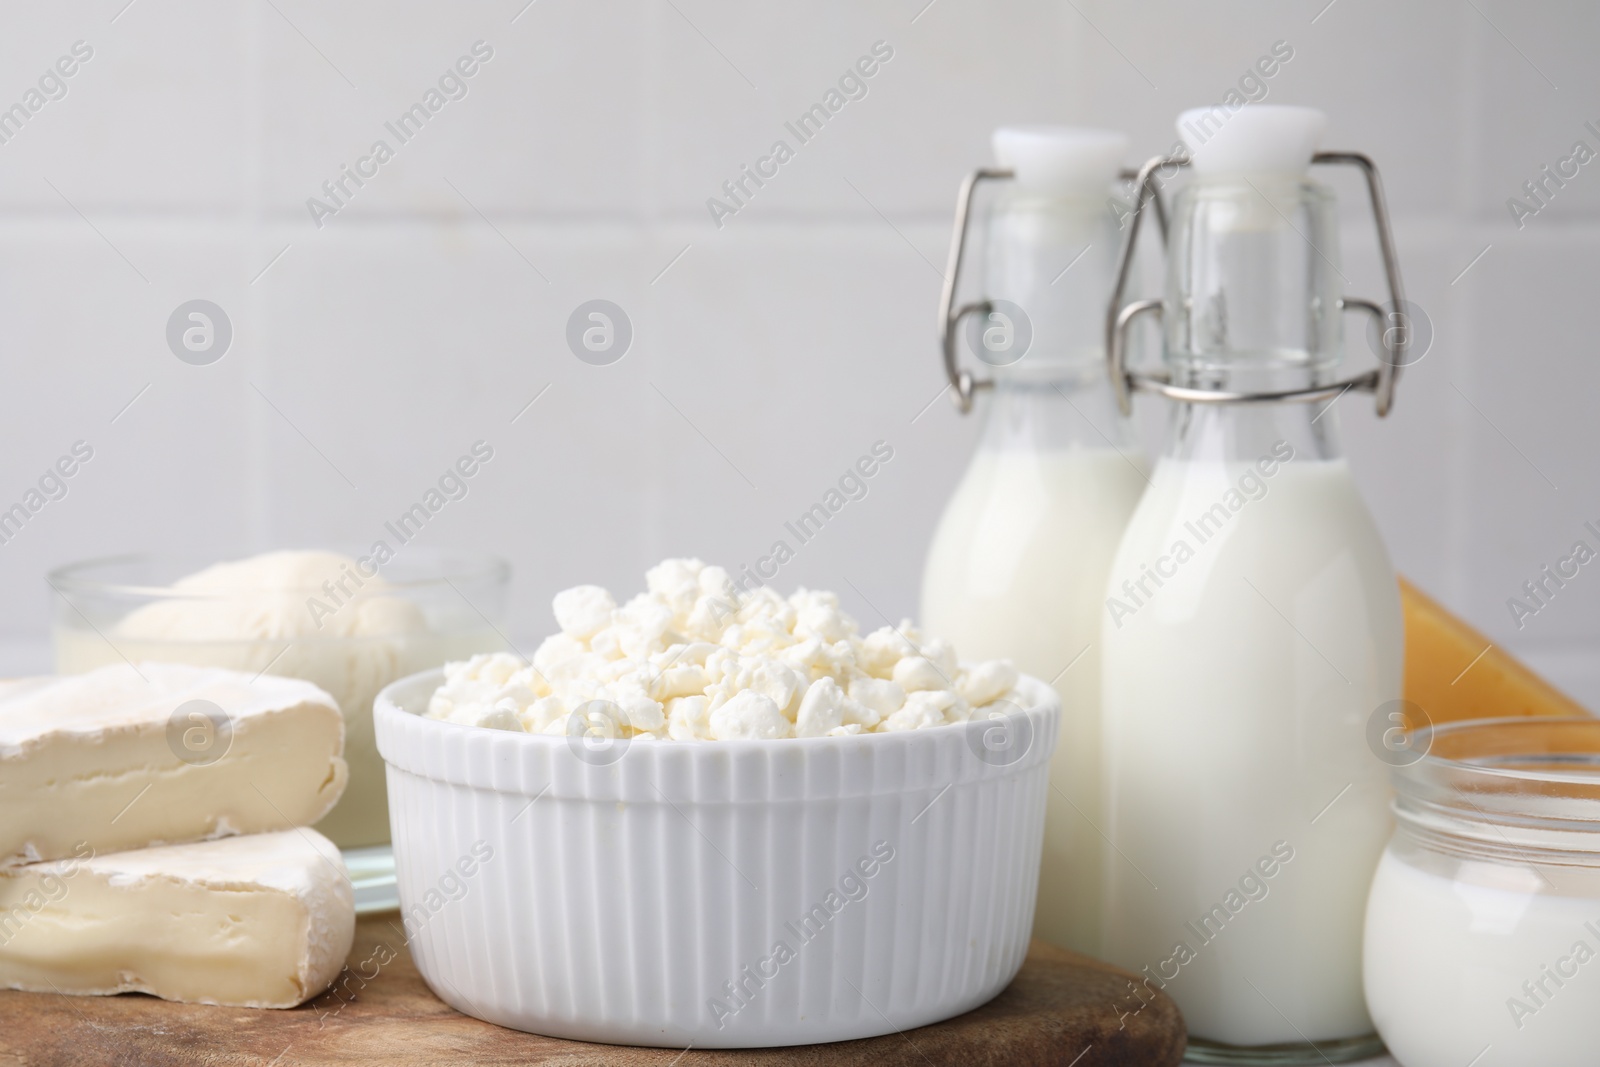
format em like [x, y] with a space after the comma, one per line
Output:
[643, 900]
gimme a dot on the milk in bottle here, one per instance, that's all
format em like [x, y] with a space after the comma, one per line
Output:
[1251, 628]
[1019, 560]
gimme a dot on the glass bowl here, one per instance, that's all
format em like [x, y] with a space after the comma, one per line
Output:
[349, 636]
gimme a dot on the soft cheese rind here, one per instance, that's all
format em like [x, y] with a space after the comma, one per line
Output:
[87, 760]
[261, 921]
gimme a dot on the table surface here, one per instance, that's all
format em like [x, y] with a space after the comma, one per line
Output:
[1060, 1011]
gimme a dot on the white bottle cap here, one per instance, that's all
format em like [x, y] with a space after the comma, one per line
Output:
[1253, 139]
[1069, 160]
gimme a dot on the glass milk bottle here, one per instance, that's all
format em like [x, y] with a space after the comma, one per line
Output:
[1019, 560]
[1251, 626]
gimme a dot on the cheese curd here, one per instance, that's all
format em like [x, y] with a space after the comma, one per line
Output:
[695, 658]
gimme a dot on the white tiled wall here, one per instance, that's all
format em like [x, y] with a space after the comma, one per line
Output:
[772, 351]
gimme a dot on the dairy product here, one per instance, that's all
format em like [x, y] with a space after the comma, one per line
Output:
[1453, 671]
[1237, 683]
[1252, 628]
[1018, 568]
[263, 921]
[1483, 924]
[315, 615]
[125, 756]
[284, 594]
[1493, 965]
[1018, 561]
[696, 658]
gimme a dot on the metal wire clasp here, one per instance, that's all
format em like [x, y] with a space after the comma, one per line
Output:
[964, 384]
[962, 381]
[1395, 336]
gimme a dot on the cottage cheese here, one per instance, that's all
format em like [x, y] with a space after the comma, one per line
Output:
[695, 658]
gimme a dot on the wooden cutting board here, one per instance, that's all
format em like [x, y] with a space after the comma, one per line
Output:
[1061, 1010]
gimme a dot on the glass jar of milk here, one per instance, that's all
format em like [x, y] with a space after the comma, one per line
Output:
[1483, 927]
[1251, 624]
[1019, 560]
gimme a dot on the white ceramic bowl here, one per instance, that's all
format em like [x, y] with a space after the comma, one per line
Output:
[721, 894]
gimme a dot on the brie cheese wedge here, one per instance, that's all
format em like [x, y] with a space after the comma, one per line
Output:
[260, 921]
[125, 757]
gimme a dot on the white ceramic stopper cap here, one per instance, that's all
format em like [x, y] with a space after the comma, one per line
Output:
[1254, 139]
[1061, 159]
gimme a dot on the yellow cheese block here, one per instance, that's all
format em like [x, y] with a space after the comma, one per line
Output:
[1452, 671]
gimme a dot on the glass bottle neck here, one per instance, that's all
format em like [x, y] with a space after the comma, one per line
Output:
[1064, 410]
[1252, 305]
